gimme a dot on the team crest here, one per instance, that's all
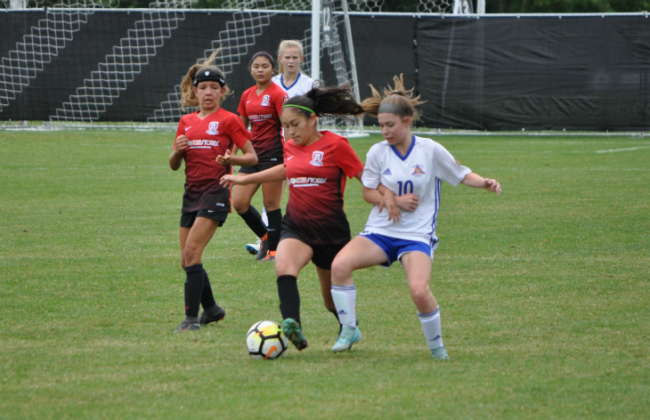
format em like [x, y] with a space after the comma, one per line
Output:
[212, 128]
[418, 170]
[265, 100]
[317, 159]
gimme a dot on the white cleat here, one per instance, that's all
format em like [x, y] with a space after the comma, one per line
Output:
[349, 335]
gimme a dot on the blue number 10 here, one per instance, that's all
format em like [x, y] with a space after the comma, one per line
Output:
[405, 187]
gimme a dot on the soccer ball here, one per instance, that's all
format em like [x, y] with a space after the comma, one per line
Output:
[265, 340]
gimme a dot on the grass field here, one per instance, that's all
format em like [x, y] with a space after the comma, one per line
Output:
[544, 293]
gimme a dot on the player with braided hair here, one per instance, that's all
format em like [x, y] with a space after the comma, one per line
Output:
[412, 168]
[204, 140]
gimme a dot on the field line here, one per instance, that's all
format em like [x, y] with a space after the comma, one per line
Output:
[623, 150]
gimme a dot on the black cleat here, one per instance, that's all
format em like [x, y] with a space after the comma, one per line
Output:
[187, 326]
[205, 319]
[264, 250]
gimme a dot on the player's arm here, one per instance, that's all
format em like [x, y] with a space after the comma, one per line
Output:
[249, 157]
[276, 173]
[235, 148]
[477, 181]
[176, 158]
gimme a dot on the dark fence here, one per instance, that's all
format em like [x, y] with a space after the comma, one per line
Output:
[492, 73]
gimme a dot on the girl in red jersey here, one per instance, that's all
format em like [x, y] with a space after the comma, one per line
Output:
[261, 106]
[315, 226]
[204, 140]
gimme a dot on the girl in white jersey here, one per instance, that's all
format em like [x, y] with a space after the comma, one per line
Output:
[290, 78]
[412, 168]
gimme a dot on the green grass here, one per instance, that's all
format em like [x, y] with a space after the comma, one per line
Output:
[544, 293]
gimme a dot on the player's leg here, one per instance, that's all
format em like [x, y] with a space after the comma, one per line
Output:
[359, 253]
[417, 266]
[194, 242]
[272, 193]
[241, 202]
[292, 255]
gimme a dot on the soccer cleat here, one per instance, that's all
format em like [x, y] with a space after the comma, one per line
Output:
[440, 353]
[349, 335]
[292, 330]
[253, 249]
[188, 326]
[205, 319]
[264, 249]
[270, 256]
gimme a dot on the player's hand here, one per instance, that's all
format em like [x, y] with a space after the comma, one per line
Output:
[388, 202]
[230, 180]
[408, 202]
[492, 185]
[225, 159]
[182, 144]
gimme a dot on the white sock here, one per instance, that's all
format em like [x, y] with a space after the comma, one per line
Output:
[431, 327]
[265, 218]
[345, 300]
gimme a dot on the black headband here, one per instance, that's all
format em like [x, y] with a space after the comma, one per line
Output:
[209, 76]
[265, 54]
[390, 109]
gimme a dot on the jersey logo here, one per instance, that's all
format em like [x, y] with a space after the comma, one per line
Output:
[212, 128]
[317, 159]
[387, 172]
[265, 100]
[187, 128]
[418, 170]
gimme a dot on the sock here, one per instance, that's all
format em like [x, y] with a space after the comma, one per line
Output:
[275, 223]
[193, 290]
[207, 298]
[254, 221]
[289, 297]
[265, 218]
[345, 299]
[431, 327]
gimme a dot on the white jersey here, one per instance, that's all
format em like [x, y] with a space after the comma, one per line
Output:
[302, 85]
[420, 172]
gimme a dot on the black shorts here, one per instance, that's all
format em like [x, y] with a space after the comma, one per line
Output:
[260, 167]
[323, 254]
[188, 217]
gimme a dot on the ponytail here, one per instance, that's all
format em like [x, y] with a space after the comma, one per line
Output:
[326, 101]
[396, 100]
[187, 93]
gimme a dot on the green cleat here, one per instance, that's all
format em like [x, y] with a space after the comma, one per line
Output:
[440, 353]
[349, 336]
[292, 330]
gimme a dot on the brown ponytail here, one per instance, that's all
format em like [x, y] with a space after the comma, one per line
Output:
[187, 93]
[398, 96]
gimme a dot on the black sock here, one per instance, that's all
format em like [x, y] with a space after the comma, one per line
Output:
[289, 297]
[193, 290]
[254, 221]
[207, 298]
[275, 223]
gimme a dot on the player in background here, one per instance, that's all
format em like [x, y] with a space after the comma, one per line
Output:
[412, 168]
[204, 140]
[290, 76]
[315, 226]
[261, 106]
[294, 82]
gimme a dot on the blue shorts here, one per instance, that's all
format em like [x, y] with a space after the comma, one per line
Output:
[394, 248]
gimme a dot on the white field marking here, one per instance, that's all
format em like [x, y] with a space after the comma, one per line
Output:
[623, 150]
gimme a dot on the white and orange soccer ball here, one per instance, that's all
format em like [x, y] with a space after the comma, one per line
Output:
[265, 340]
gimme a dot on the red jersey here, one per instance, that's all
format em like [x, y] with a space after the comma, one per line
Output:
[316, 177]
[263, 111]
[208, 138]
